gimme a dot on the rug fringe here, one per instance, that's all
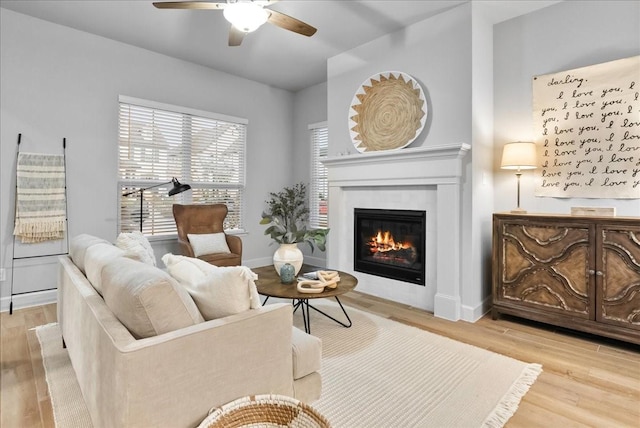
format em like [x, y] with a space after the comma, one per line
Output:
[509, 403]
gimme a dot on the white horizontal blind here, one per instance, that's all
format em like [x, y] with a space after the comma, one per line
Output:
[319, 188]
[157, 144]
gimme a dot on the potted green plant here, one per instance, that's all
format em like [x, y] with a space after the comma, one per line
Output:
[287, 214]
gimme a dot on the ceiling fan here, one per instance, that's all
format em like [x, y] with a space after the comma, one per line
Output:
[245, 16]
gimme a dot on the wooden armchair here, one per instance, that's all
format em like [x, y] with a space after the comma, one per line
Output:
[206, 219]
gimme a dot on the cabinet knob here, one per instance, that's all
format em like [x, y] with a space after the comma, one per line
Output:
[591, 272]
[599, 273]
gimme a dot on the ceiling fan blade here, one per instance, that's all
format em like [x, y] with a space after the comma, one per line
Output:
[235, 36]
[289, 23]
[189, 5]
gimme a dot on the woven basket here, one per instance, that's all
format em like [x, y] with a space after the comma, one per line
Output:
[265, 411]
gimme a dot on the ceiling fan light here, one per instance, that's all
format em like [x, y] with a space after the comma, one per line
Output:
[245, 16]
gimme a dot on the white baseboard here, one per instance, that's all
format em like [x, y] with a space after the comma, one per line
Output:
[27, 300]
[446, 307]
[473, 314]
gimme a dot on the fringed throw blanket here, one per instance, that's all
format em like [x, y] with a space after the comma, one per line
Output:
[40, 200]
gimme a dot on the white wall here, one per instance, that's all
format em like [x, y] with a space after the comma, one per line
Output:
[564, 36]
[478, 206]
[309, 107]
[437, 52]
[58, 82]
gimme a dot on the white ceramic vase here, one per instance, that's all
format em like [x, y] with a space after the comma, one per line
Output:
[288, 253]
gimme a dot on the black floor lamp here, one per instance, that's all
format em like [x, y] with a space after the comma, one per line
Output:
[177, 188]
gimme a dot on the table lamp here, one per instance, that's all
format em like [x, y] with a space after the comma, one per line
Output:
[177, 188]
[519, 155]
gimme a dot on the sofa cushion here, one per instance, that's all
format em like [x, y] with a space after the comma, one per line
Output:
[136, 246]
[96, 258]
[186, 269]
[224, 291]
[307, 353]
[208, 243]
[145, 299]
[78, 248]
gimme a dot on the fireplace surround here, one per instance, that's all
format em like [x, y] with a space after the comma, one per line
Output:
[434, 170]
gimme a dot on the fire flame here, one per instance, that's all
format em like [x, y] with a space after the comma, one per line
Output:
[384, 242]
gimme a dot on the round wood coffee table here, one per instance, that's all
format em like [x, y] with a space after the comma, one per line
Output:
[269, 285]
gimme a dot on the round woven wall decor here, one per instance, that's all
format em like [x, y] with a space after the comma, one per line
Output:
[387, 112]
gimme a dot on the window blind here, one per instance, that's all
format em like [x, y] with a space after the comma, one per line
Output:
[319, 185]
[157, 142]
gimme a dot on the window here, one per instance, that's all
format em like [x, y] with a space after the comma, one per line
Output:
[157, 142]
[319, 188]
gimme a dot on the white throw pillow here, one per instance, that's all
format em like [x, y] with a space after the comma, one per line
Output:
[186, 269]
[225, 290]
[136, 246]
[208, 243]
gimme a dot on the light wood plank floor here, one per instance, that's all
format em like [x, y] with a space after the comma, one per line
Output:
[587, 381]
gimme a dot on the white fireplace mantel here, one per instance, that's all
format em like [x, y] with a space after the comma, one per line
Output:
[438, 166]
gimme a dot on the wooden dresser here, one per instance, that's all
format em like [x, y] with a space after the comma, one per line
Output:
[576, 272]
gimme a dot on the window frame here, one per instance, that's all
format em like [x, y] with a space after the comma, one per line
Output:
[190, 115]
[315, 216]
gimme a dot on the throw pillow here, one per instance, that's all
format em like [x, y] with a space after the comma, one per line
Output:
[145, 299]
[225, 290]
[136, 246]
[186, 269]
[208, 243]
[96, 258]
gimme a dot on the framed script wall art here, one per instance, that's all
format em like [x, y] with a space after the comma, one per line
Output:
[388, 112]
[587, 130]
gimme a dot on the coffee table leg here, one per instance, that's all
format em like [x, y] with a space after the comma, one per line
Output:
[329, 316]
[306, 320]
[305, 315]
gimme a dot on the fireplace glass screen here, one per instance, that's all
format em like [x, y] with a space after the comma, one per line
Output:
[390, 243]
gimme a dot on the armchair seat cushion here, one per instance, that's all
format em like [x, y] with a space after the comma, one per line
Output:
[222, 259]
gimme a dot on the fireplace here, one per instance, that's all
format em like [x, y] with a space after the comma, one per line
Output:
[421, 178]
[390, 243]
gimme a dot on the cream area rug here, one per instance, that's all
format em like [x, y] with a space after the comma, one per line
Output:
[378, 373]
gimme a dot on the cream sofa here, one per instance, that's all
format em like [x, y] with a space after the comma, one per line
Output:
[172, 379]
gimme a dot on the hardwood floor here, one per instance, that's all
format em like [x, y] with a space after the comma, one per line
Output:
[587, 381]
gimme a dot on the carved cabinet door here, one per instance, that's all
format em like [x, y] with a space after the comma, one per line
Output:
[545, 266]
[618, 275]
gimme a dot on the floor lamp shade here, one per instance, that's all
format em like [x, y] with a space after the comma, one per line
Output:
[519, 155]
[177, 188]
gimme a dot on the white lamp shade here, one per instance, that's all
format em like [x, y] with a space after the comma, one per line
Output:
[519, 155]
[245, 16]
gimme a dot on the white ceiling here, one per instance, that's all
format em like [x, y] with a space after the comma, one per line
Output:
[270, 55]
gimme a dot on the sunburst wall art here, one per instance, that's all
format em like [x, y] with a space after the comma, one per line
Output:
[388, 112]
